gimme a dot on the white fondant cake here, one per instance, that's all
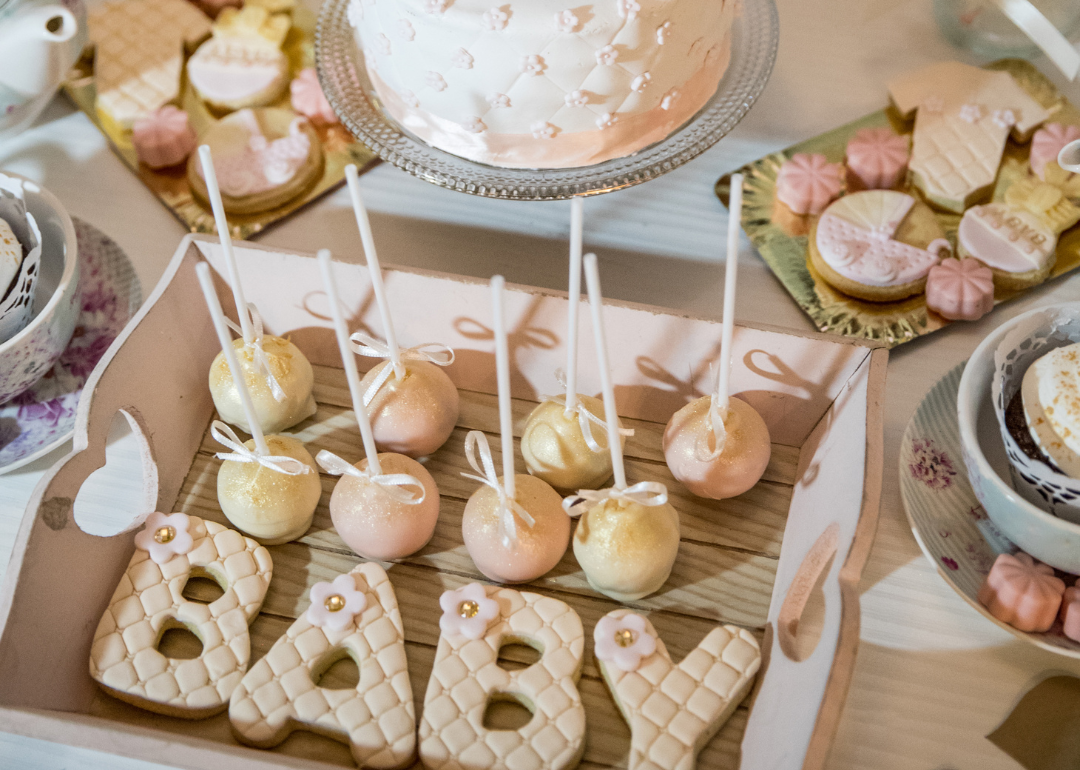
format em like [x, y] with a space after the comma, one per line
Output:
[543, 83]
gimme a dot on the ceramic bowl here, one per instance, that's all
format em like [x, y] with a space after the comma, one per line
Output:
[1044, 536]
[27, 356]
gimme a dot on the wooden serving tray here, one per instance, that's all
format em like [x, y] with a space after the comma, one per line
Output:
[755, 560]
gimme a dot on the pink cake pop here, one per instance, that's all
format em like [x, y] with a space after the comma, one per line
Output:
[877, 157]
[514, 526]
[163, 138]
[386, 506]
[1047, 143]
[806, 184]
[1022, 592]
[960, 289]
[1070, 613]
[309, 100]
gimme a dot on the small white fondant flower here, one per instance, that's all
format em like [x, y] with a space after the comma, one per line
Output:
[972, 113]
[623, 642]
[165, 536]
[355, 13]
[662, 32]
[577, 98]
[475, 125]
[467, 611]
[1005, 118]
[335, 605]
[607, 120]
[435, 80]
[542, 130]
[498, 100]
[462, 58]
[933, 104]
[495, 19]
[436, 6]
[566, 21]
[669, 99]
[607, 55]
[628, 9]
[410, 99]
[533, 64]
[405, 30]
[382, 44]
[641, 82]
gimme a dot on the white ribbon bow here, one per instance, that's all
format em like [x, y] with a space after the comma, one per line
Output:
[225, 436]
[719, 432]
[366, 345]
[474, 441]
[585, 417]
[392, 483]
[262, 363]
[647, 493]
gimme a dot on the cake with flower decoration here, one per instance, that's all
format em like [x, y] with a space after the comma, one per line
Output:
[543, 83]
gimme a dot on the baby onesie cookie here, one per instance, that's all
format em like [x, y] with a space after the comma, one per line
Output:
[877, 158]
[1022, 592]
[1016, 245]
[672, 710]
[877, 245]
[357, 616]
[964, 116]
[960, 289]
[1047, 143]
[806, 184]
[263, 158]
[476, 622]
[170, 549]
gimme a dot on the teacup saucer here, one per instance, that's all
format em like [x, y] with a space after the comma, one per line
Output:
[40, 419]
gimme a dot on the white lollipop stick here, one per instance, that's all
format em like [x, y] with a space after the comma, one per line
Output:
[348, 359]
[225, 338]
[576, 226]
[374, 268]
[596, 301]
[732, 266]
[502, 370]
[214, 193]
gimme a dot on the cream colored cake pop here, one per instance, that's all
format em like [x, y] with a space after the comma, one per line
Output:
[627, 538]
[267, 487]
[413, 405]
[278, 376]
[718, 446]
[514, 526]
[384, 507]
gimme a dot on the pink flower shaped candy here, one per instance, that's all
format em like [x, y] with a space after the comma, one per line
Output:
[624, 641]
[165, 536]
[877, 157]
[1070, 613]
[1047, 143]
[163, 138]
[336, 605]
[960, 289]
[308, 99]
[807, 184]
[1022, 592]
[467, 611]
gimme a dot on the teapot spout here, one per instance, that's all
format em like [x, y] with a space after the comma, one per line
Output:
[36, 49]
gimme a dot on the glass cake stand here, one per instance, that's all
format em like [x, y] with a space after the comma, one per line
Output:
[754, 38]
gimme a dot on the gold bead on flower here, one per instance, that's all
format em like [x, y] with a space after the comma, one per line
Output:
[624, 637]
[335, 603]
[468, 609]
[164, 534]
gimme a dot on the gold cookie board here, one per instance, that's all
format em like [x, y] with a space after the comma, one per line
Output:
[781, 237]
[171, 186]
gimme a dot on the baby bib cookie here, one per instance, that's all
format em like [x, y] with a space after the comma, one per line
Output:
[672, 710]
[170, 549]
[357, 616]
[877, 245]
[476, 621]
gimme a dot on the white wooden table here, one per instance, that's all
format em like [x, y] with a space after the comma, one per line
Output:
[933, 677]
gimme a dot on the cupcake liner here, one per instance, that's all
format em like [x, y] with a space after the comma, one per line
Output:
[17, 306]
[1035, 481]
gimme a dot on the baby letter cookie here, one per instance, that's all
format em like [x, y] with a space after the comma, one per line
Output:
[357, 616]
[672, 710]
[476, 622]
[149, 601]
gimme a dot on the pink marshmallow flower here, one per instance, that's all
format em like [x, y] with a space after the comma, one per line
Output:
[467, 611]
[336, 605]
[623, 641]
[165, 536]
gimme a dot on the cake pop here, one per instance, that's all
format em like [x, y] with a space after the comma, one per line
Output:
[413, 405]
[277, 376]
[385, 506]
[500, 548]
[558, 443]
[718, 446]
[627, 537]
[267, 487]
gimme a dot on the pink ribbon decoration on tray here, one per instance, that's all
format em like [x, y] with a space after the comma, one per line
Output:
[225, 436]
[647, 493]
[366, 345]
[394, 484]
[262, 363]
[475, 442]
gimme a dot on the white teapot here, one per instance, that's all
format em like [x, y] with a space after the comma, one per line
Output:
[39, 42]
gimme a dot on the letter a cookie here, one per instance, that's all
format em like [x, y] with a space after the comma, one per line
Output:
[475, 623]
[170, 549]
[672, 710]
[357, 616]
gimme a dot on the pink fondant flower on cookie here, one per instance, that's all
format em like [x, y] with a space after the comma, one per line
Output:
[165, 536]
[467, 611]
[972, 113]
[1004, 118]
[931, 465]
[607, 55]
[335, 605]
[806, 184]
[1047, 143]
[1022, 592]
[495, 19]
[935, 105]
[566, 21]
[623, 642]
[308, 99]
